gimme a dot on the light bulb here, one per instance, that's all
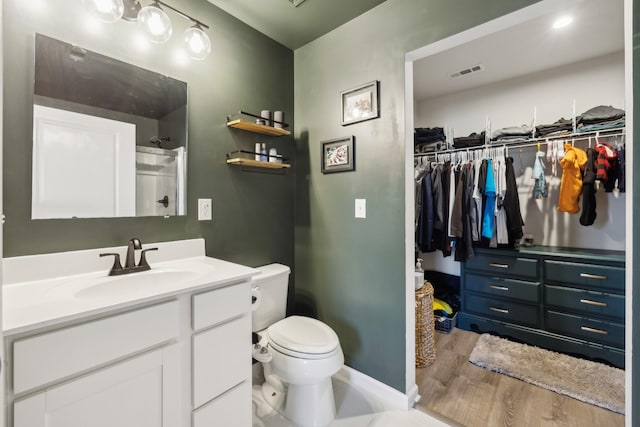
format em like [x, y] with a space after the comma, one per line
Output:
[155, 23]
[198, 43]
[108, 11]
[562, 22]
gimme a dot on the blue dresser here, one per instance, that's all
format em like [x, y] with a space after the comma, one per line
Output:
[566, 300]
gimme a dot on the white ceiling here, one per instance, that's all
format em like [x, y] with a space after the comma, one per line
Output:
[295, 26]
[597, 29]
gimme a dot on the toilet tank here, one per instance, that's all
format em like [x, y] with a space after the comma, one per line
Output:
[272, 284]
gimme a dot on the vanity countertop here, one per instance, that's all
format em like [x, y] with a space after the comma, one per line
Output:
[31, 301]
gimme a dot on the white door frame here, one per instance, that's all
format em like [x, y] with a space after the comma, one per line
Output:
[3, 403]
[496, 25]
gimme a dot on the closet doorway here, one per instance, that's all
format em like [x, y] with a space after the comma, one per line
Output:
[516, 71]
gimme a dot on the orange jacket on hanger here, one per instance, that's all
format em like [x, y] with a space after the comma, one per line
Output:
[573, 163]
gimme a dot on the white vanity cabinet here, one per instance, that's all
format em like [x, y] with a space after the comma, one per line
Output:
[168, 347]
[138, 367]
[121, 370]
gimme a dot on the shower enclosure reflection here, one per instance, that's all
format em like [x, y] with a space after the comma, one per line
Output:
[109, 138]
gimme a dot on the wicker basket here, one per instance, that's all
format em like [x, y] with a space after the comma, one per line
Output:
[425, 329]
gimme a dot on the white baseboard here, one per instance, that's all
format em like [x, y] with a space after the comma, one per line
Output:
[390, 397]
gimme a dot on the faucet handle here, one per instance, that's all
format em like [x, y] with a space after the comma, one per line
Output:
[143, 259]
[117, 267]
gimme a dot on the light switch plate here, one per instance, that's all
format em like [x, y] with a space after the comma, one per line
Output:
[361, 208]
[204, 209]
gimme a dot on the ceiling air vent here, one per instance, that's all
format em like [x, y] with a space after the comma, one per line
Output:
[466, 71]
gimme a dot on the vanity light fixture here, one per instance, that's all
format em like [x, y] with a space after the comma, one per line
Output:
[158, 26]
[154, 21]
[108, 11]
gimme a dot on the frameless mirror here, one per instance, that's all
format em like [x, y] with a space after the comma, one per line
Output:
[109, 138]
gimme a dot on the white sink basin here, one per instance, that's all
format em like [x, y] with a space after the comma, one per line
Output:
[50, 289]
[133, 282]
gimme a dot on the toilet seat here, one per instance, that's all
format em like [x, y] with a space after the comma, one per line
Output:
[303, 337]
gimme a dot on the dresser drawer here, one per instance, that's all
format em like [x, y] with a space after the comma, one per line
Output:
[599, 276]
[593, 330]
[502, 309]
[504, 265]
[500, 286]
[587, 302]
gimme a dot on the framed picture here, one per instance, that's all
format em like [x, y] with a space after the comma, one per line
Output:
[360, 104]
[338, 155]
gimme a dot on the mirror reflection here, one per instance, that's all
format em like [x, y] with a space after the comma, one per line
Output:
[109, 138]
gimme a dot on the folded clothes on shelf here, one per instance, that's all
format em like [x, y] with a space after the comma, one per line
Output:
[601, 113]
[473, 140]
[514, 132]
[559, 128]
[611, 124]
[429, 139]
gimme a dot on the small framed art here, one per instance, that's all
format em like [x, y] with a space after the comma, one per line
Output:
[360, 104]
[338, 155]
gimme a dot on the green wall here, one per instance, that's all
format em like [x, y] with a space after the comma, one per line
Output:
[352, 271]
[252, 212]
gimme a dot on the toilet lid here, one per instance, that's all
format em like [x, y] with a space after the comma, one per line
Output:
[303, 335]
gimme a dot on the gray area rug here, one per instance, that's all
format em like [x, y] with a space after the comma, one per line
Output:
[591, 382]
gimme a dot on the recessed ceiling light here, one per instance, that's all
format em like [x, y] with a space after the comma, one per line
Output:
[563, 21]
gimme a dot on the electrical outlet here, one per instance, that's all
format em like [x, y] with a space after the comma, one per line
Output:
[361, 208]
[204, 209]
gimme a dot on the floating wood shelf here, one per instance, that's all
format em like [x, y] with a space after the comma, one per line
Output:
[257, 164]
[253, 127]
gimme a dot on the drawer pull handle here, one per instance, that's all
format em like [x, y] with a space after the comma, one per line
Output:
[589, 302]
[593, 276]
[499, 310]
[493, 264]
[595, 331]
[499, 288]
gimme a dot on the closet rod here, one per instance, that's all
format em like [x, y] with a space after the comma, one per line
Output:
[529, 143]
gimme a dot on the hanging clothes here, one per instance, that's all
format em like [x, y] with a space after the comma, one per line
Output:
[457, 210]
[512, 204]
[572, 163]
[464, 242]
[436, 186]
[606, 166]
[441, 240]
[541, 187]
[475, 211]
[502, 232]
[424, 234]
[479, 197]
[588, 215]
[621, 168]
[488, 217]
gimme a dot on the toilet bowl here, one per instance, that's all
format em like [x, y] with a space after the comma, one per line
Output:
[304, 354]
[299, 356]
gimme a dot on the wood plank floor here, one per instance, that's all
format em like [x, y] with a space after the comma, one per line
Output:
[473, 396]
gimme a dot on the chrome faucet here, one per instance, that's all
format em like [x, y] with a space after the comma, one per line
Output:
[130, 259]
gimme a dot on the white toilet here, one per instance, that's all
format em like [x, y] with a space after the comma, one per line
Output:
[299, 354]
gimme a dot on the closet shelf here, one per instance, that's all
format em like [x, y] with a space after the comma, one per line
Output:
[604, 133]
[256, 128]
